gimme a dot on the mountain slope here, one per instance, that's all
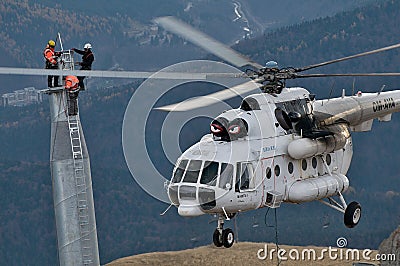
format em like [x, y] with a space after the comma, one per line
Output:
[243, 253]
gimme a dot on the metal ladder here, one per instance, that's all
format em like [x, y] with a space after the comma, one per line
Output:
[67, 59]
[80, 182]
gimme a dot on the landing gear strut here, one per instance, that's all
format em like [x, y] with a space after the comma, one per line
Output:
[352, 212]
[223, 237]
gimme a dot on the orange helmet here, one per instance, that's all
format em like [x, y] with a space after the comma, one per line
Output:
[71, 83]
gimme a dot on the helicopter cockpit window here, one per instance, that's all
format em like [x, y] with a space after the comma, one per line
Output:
[179, 171]
[210, 173]
[299, 114]
[225, 180]
[244, 176]
[249, 104]
[192, 172]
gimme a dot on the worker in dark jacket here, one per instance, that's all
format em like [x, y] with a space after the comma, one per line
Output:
[87, 60]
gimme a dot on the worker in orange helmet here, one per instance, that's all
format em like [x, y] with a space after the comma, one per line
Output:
[72, 87]
[71, 83]
[51, 62]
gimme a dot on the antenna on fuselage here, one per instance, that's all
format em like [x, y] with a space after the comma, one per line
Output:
[331, 91]
[383, 86]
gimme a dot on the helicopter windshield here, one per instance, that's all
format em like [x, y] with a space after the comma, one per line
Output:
[179, 171]
[212, 174]
[192, 172]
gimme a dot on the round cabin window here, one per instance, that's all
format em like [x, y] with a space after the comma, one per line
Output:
[277, 170]
[304, 164]
[268, 172]
[314, 162]
[328, 159]
[290, 167]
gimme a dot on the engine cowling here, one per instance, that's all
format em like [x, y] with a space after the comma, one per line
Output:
[307, 147]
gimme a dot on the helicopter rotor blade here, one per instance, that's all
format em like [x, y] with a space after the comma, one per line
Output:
[117, 74]
[393, 74]
[349, 57]
[204, 41]
[203, 101]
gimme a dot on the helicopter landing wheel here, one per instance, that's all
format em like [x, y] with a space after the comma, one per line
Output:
[352, 214]
[217, 238]
[228, 237]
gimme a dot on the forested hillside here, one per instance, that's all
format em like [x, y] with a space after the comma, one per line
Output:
[128, 219]
[334, 37]
[123, 34]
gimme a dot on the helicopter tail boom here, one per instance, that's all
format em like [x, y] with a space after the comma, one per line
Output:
[358, 111]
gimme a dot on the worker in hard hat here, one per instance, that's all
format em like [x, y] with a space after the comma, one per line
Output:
[72, 87]
[87, 60]
[51, 62]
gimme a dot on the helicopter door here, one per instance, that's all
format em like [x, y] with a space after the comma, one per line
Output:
[244, 176]
[245, 185]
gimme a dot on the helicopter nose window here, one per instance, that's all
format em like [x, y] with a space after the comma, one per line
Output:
[173, 194]
[187, 192]
[226, 177]
[179, 171]
[207, 198]
[210, 173]
[192, 172]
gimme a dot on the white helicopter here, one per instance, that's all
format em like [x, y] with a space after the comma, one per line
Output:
[280, 145]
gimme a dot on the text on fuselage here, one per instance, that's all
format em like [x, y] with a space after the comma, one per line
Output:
[384, 104]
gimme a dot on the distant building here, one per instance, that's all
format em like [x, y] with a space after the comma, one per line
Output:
[22, 97]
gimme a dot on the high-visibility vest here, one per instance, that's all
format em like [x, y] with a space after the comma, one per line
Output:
[50, 55]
